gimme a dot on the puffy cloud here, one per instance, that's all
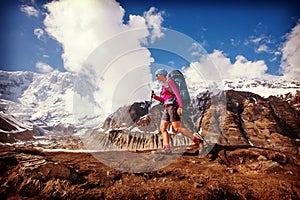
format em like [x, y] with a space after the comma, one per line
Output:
[154, 20]
[290, 65]
[43, 67]
[241, 67]
[29, 10]
[96, 40]
[81, 26]
[248, 69]
[217, 66]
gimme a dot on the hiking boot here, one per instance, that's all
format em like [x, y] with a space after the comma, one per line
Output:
[167, 149]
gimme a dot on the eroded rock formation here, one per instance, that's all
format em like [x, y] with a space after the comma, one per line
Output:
[228, 118]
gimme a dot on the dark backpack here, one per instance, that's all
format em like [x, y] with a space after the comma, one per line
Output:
[179, 80]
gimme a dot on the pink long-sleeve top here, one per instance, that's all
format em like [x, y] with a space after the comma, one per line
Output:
[166, 94]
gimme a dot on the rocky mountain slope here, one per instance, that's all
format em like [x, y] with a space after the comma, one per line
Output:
[13, 130]
[52, 99]
[228, 118]
[251, 148]
[245, 117]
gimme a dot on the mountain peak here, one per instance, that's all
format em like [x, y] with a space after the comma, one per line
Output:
[52, 98]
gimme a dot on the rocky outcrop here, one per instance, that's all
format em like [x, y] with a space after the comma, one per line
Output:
[225, 118]
[293, 100]
[120, 131]
[17, 136]
[127, 116]
[251, 119]
[12, 130]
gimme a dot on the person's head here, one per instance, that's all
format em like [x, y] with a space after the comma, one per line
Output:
[161, 74]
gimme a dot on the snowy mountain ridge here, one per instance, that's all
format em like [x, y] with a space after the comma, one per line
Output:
[48, 100]
[42, 99]
[263, 88]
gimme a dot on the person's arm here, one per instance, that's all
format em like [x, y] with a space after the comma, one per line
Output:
[158, 98]
[176, 92]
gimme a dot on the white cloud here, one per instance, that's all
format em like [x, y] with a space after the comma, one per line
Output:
[290, 65]
[196, 50]
[217, 66]
[262, 43]
[43, 67]
[262, 48]
[241, 67]
[248, 69]
[81, 26]
[257, 40]
[154, 20]
[29, 10]
[93, 34]
[39, 33]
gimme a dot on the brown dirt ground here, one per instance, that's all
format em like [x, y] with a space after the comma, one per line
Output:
[188, 177]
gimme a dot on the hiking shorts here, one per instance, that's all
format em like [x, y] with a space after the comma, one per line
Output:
[170, 113]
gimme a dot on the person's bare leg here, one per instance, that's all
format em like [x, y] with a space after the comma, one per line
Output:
[164, 132]
[184, 131]
[187, 133]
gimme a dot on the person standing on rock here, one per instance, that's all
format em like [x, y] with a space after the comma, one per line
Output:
[172, 109]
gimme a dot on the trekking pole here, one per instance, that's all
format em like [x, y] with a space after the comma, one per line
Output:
[152, 93]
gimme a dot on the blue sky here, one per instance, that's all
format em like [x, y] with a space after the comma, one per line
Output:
[233, 32]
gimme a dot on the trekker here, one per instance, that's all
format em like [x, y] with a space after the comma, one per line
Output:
[172, 110]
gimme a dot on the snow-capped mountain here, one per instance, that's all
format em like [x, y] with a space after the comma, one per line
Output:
[264, 88]
[46, 100]
[59, 98]
[13, 84]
